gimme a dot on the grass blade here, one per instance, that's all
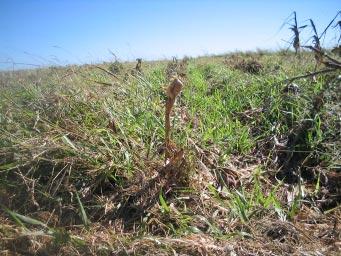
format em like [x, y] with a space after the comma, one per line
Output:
[83, 214]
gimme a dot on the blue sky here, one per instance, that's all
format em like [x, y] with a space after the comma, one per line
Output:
[65, 32]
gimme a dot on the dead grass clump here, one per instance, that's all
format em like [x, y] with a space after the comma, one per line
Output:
[176, 68]
[251, 66]
[248, 63]
[116, 67]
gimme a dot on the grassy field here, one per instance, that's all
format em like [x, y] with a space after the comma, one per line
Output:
[82, 159]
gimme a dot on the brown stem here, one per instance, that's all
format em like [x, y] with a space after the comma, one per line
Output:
[308, 75]
[169, 105]
[173, 90]
[107, 71]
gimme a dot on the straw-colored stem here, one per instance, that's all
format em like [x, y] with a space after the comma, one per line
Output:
[172, 91]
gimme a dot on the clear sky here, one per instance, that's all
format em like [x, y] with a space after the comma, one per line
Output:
[59, 32]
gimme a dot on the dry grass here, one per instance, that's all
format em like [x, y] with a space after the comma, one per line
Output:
[82, 169]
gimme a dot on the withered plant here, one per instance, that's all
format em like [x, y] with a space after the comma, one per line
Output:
[318, 53]
[316, 46]
[172, 92]
[296, 38]
[293, 156]
[138, 66]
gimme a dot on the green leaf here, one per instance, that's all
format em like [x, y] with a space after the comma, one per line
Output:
[19, 219]
[84, 217]
[67, 141]
[163, 203]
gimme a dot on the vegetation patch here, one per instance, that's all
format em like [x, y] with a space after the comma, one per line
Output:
[221, 155]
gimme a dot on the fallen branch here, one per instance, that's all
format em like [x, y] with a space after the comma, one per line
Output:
[333, 63]
[308, 75]
[107, 71]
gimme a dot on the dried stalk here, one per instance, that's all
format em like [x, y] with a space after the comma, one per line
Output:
[107, 71]
[138, 66]
[173, 90]
[290, 80]
[296, 41]
[318, 54]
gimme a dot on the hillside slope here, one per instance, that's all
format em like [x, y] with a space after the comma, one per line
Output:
[82, 159]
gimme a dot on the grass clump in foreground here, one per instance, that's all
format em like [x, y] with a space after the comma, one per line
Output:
[82, 166]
